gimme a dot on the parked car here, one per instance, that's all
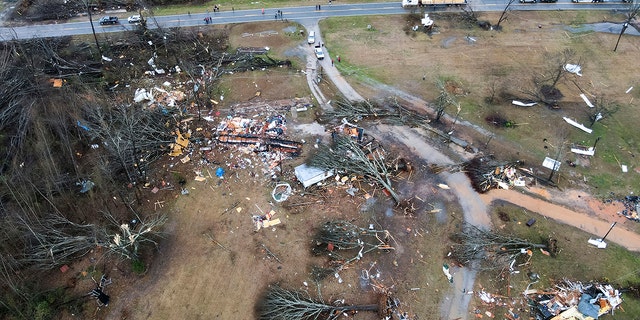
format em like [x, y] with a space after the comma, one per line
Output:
[549, 1]
[319, 53]
[108, 20]
[312, 37]
[135, 19]
[528, 1]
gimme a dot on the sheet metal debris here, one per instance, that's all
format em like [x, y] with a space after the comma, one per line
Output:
[523, 104]
[586, 100]
[577, 125]
[573, 68]
[308, 175]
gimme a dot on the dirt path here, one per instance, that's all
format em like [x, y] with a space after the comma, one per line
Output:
[313, 65]
[582, 220]
[455, 303]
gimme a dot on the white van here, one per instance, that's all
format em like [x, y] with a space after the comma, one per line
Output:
[312, 37]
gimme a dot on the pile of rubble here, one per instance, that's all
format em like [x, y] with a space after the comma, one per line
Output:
[631, 207]
[574, 300]
[253, 139]
[486, 176]
[566, 300]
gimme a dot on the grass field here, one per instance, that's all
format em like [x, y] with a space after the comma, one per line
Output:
[503, 64]
[576, 260]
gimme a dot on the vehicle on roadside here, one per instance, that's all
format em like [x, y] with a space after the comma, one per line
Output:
[108, 20]
[548, 1]
[528, 1]
[410, 4]
[312, 37]
[319, 53]
[135, 19]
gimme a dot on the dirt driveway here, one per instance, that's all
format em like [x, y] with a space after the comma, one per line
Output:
[596, 221]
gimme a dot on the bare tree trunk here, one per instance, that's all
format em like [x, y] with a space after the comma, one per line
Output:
[504, 16]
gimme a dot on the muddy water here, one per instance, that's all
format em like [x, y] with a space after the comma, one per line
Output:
[606, 27]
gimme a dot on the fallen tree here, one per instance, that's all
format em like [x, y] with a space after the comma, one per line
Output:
[347, 155]
[335, 236]
[282, 304]
[487, 250]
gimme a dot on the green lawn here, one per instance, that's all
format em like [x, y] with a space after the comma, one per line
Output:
[576, 260]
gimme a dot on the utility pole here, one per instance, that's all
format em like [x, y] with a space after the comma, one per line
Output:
[556, 164]
[624, 28]
[599, 243]
[611, 228]
[93, 29]
[594, 144]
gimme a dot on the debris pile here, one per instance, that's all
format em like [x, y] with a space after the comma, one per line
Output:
[486, 176]
[631, 208]
[574, 299]
[263, 135]
[265, 220]
[631, 205]
[158, 97]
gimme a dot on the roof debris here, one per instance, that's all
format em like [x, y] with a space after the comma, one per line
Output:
[577, 125]
[584, 301]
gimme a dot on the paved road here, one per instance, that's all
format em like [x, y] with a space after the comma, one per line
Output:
[304, 14]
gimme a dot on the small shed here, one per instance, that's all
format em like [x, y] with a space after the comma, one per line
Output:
[309, 176]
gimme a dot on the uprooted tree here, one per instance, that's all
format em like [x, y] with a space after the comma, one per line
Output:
[391, 113]
[336, 237]
[46, 239]
[545, 83]
[345, 154]
[486, 174]
[282, 304]
[602, 108]
[444, 99]
[486, 250]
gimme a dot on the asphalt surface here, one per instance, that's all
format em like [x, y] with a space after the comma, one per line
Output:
[304, 14]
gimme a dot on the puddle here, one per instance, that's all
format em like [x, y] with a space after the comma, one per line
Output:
[290, 29]
[606, 27]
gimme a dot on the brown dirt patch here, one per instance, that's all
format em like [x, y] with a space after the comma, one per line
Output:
[214, 264]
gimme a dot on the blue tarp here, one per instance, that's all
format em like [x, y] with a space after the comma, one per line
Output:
[587, 308]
